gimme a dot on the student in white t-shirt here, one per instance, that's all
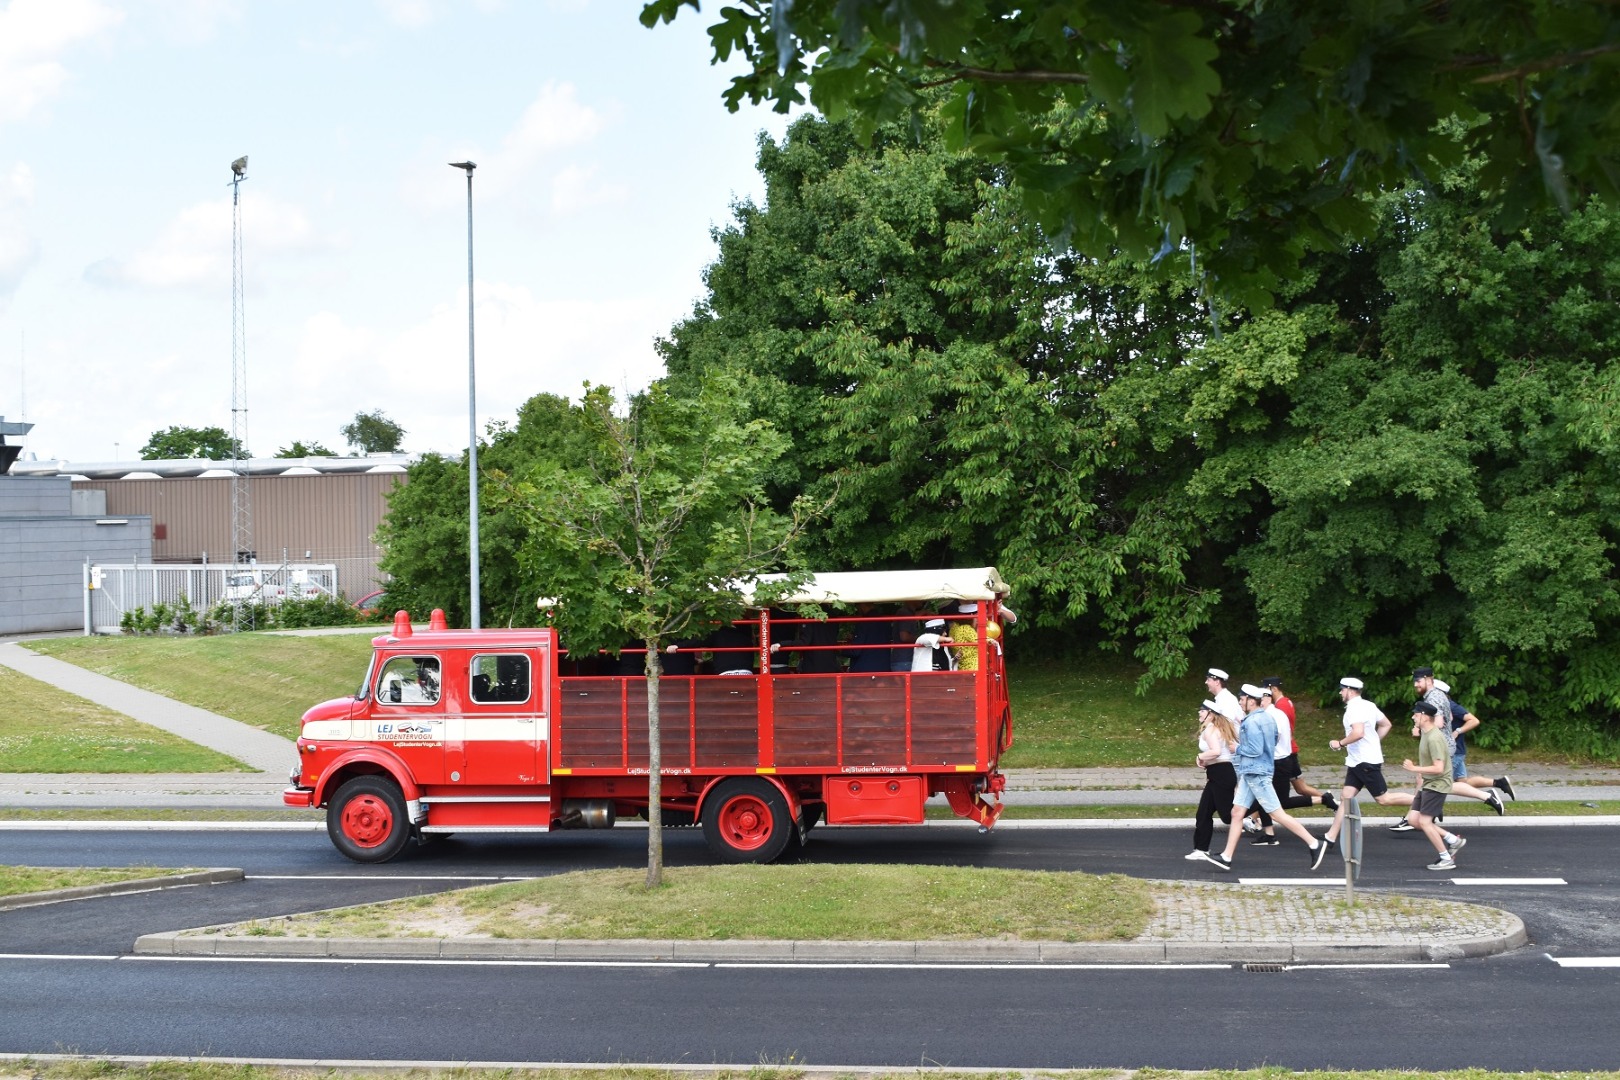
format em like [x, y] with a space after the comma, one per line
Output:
[1365, 726]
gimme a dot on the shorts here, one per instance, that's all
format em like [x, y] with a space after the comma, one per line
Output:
[1429, 803]
[1252, 789]
[1368, 777]
[1459, 765]
[1286, 768]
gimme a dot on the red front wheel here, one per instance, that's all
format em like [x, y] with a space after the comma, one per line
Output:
[747, 820]
[366, 820]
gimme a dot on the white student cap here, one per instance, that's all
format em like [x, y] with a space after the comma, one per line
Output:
[1251, 690]
[1217, 673]
[934, 624]
[1210, 705]
[967, 607]
[1442, 686]
[1354, 684]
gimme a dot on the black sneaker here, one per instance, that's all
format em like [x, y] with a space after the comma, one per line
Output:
[1493, 799]
[1263, 839]
[1330, 801]
[1319, 853]
[1403, 826]
[1219, 860]
[1505, 783]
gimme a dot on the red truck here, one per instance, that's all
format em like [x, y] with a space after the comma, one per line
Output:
[502, 731]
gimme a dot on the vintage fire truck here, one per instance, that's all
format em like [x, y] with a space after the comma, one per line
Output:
[502, 731]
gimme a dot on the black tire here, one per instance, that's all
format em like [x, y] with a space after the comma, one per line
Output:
[366, 819]
[746, 820]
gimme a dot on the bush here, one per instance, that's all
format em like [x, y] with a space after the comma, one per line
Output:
[161, 618]
[291, 614]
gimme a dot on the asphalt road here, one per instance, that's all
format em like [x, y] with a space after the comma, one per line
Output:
[69, 984]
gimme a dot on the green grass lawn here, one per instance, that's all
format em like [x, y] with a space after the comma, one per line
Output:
[45, 730]
[17, 880]
[1064, 715]
[265, 680]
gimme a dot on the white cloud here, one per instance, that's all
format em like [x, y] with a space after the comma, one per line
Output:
[33, 34]
[418, 374]
[194, 248]
[577, 188]
[19, 250]
[555, 121]
[412, 14]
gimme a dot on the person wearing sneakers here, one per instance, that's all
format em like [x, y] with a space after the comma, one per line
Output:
[1226, 703]
[1438, 694]
[1252, 761]
[1462, 722]
[1365, 726]
[1217, 738]
[1434, 769]
[1285, 768]
[1286, 707]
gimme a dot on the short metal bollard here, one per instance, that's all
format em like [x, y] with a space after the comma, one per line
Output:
[1350, 847]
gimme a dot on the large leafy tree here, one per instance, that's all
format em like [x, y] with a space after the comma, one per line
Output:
[894, 311]
[653, 527]
[1241, 133]
[178, 443]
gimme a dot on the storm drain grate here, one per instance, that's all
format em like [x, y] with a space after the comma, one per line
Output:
[1264, 968]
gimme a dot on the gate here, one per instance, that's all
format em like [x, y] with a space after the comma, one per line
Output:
[113, 589]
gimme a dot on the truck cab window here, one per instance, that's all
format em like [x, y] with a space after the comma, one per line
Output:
[499, 678]
[409, 680]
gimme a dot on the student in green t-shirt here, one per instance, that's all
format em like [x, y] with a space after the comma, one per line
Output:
[1434, 766]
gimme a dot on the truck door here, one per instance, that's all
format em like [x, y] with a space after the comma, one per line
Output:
[507, 719]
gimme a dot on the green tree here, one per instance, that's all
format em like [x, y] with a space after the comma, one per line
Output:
[300, 450]
[655, 527]
[180, 443]
[894, 311]
[373, 433]
[424, 534]
[1240, 132]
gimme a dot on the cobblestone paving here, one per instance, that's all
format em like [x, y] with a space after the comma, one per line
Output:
[1248, 913]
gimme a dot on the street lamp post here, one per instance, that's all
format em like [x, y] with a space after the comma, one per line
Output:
[472, 409]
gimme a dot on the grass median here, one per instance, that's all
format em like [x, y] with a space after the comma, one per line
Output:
[800, 902]
[19, 880]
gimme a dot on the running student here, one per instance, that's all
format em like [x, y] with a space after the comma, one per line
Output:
[1483, 788]
[1365, 726]
[1252, 760]
[1217, 739]
[1285, 768]
[1434, 769]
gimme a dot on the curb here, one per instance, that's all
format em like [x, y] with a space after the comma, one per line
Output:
[1408, 948]
[121, 888]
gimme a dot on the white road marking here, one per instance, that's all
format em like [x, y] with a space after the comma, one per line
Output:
[1327, 882]
[1585, 961]
[974, 966]
[1508, 881]
[403, 961]
[53, 956]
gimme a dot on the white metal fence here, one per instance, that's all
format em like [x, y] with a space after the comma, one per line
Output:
[111, 589]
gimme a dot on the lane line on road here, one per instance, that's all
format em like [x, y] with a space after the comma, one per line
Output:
[857, 966]
[1585, 961]
[1327, 883]
[54, 956]
[1362, 967]
[1508, 881]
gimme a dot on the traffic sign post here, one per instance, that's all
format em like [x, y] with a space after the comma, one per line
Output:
[1350, 847]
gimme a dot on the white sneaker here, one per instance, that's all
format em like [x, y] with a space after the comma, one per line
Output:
[1193, 856]
[1251, 825]
[1455, 844]
[1444, 862]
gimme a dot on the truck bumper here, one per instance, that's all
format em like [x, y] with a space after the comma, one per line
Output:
[303, 798]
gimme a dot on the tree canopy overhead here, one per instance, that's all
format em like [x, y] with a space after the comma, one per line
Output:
[1221, 137]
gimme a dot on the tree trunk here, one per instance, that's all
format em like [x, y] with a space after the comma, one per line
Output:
[655, 780]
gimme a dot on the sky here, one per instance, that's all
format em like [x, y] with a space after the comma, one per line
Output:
[605, 159]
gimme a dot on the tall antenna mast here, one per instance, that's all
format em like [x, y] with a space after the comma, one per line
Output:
[241, 494]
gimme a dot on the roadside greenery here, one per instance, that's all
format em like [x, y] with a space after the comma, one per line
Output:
[1411, 457]
[831, 902]
[49, 731]
[264, 680]
[19, 880]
